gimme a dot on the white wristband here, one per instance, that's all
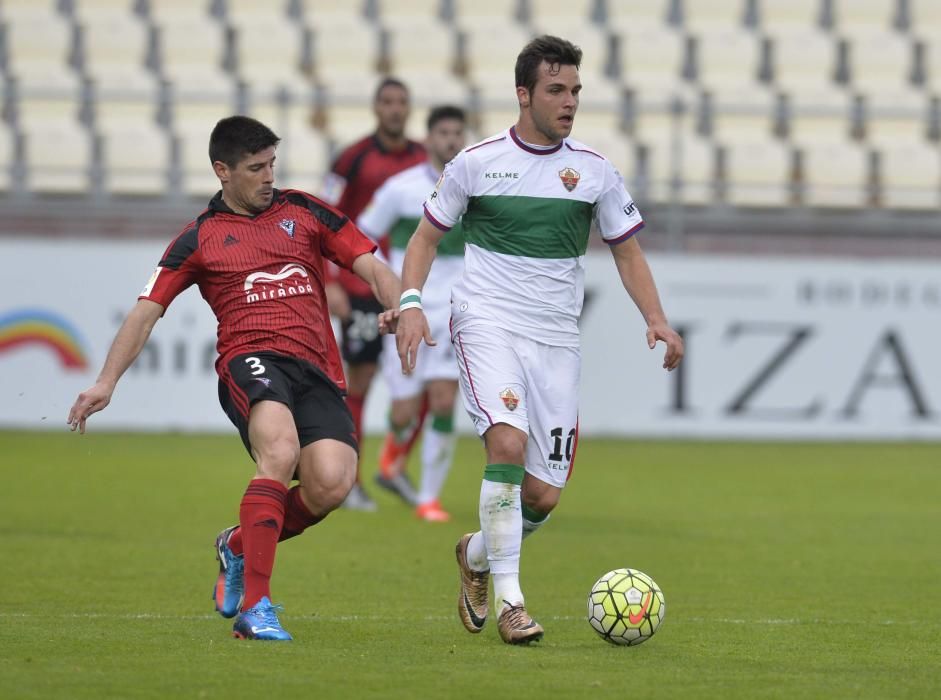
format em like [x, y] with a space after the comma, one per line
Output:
[410, 299]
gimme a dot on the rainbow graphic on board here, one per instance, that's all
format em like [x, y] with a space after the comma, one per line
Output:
[28, 327]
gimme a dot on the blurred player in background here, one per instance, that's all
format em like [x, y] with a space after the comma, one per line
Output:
[353, 179]
[528, 198]
[395, 211]
[257, 255]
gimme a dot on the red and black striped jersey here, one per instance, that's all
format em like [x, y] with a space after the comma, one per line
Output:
[356, 175]
[263, 276]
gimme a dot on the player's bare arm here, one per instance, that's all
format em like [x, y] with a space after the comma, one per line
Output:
[412, 324]
[384, 283]
[126, 346]
[639, 283]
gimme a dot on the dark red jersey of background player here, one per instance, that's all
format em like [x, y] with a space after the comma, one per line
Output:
[263, 276]
[365, 165]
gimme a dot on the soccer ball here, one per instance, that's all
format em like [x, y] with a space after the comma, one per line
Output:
[626, 607]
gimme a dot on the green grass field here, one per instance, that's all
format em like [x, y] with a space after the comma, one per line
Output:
[790, 571]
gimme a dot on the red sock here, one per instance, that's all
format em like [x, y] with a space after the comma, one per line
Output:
[261, 517]
[355, 404]
[297, 518]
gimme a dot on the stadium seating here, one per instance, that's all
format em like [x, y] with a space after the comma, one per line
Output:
[867, 17]
[7, 157]
[759, 173]
[911, 176]
[136, 158]
[752, 102]
[800, 15]
[714, 15]
[58, 155]
[836, 175]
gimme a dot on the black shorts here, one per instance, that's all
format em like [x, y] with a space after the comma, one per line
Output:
[316, 403]
[361, 342]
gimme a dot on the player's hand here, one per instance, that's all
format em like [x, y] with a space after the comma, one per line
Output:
[412, 330]
[674, 353]
[388, 321]
[88, 402]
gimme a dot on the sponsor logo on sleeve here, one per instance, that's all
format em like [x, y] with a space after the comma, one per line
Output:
[149, 287]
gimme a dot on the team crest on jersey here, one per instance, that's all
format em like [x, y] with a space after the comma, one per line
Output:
[287, 225]
[510, 399]
[569, 178]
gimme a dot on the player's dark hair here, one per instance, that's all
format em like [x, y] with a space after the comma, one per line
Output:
[552, 50]
[388, 82]
[233, 138]
[442, 112]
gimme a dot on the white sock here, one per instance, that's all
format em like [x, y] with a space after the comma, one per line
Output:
[501, 522]
[529, 527]
[437, 453]
[476, 553]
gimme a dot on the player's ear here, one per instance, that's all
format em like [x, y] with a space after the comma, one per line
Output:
[522, 96]
[221, 170]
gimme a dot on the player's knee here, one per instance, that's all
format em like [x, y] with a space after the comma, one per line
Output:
[278, 459]
[505, 445]
[328, 489]
[440, 405]
[401, 413]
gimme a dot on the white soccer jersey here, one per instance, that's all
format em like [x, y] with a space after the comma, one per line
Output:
[527, 214]
[395, 210]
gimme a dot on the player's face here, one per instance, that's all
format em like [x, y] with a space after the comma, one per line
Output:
[445, 140]
[250, 184]
[392, 109]
[554, 100]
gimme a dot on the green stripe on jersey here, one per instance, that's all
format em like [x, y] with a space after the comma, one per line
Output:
[402, 230]
[534, 227]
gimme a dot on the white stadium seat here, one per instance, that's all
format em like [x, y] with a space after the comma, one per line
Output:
[714, 15]
[911, 176]
[864, 16]
[758, 173]
[136, 157]
[58, 155]
[835, 175]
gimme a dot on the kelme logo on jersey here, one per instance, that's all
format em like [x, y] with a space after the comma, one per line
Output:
[569, 178]
[260, 286]
[510, 399]
[287, 225]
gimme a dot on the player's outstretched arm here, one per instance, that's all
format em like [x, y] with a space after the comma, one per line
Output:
[638, 281]
[384, 283]
[125, 348]
[412, 324]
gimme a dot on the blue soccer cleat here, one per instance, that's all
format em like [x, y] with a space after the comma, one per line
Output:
[261, 622]
[230, 586]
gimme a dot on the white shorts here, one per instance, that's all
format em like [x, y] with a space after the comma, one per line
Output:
[433, 362]
[507, 378]
[438, 362]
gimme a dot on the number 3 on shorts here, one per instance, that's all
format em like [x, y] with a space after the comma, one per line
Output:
[255, 364]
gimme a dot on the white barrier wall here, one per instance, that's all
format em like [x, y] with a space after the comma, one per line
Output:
[789, 348]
